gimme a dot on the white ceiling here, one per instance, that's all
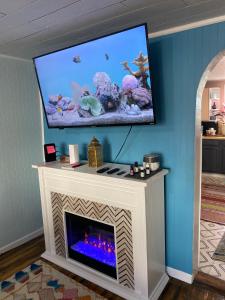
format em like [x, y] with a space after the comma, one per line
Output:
[32, 27]
[218, 73]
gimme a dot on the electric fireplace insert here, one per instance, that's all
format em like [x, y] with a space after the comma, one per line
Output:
[91, 243]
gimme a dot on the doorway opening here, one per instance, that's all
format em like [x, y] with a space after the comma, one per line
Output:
[209, 251]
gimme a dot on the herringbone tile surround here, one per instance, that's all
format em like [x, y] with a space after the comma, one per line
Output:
[121, 218]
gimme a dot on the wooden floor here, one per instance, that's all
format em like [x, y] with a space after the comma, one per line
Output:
[203, 288]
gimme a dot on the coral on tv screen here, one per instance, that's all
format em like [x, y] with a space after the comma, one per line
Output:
[105, 81]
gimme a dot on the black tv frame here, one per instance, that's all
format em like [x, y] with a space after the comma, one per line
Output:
[97, 38]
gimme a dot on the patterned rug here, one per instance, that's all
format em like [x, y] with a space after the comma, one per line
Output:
[40, 281]
[213, 179]
[213, 203]
[219, 254]
[210, 236]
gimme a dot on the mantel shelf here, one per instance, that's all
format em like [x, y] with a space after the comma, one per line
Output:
[84, 170]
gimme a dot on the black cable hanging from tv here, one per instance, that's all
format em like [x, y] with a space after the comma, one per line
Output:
[124, 142]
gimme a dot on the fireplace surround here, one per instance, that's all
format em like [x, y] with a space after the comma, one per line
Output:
[107, 229]
[120, 218]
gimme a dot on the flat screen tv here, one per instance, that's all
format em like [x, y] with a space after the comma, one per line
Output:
[101, 82]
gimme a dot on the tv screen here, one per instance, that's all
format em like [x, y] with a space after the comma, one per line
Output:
[102, 82]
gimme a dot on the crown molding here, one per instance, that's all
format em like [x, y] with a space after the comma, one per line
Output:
[15, 57]
[187, 26]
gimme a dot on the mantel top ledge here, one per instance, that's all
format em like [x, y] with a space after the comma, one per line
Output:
[84, 170]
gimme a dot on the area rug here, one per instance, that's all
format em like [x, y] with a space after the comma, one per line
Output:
[213, 203]
[213, 179]
[40, 281]
[219, 253]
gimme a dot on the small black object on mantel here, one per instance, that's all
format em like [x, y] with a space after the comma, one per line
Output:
[50, 152]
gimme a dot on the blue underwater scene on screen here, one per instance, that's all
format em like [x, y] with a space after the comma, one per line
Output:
[101, 82]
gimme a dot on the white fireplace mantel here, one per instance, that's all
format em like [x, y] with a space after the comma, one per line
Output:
[144, 276]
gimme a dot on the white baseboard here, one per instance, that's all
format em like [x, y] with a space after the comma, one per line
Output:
[159, 287]
[188, 278]
[22, 240]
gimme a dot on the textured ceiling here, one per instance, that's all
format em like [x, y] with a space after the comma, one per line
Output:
[32, 27]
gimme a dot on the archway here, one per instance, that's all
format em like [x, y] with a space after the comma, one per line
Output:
[198, 158]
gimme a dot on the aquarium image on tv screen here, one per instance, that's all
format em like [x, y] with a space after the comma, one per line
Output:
[105, 81]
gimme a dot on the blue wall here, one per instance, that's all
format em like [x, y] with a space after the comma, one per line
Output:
[178, 61]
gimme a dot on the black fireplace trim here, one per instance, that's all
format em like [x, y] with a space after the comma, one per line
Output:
[81, 258]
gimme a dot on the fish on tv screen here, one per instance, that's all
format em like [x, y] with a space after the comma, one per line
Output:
[102, 82]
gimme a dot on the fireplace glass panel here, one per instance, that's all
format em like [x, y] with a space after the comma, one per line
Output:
[91, 243]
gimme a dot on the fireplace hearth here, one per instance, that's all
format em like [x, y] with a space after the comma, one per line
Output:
[91, 243]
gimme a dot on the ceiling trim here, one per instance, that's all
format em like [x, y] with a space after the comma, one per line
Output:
[15, 57]
[187, 26]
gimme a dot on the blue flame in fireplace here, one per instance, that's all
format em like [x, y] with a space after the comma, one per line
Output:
[102, 250]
